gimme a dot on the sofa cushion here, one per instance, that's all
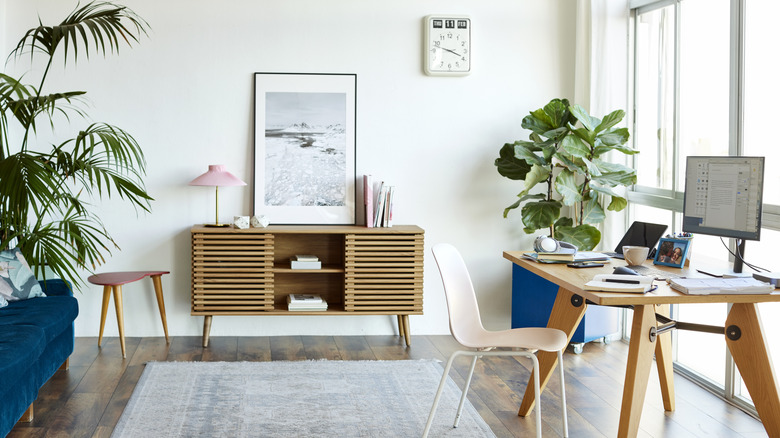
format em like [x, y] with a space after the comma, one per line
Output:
[20, 348]
[16, 279]
[52, 314]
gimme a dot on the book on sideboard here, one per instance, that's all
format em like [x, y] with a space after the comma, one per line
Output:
[305, 261]
[306, 302]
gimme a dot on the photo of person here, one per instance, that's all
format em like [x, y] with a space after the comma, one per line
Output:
[671, 252]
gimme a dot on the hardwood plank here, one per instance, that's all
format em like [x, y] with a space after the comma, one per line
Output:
[320, 347]
[87, 400]
[221, 349]
[287, 348]
[254, 349]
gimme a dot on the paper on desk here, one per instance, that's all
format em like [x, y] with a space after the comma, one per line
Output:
[720, 286]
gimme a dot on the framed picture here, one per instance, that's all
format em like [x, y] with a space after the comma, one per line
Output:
[305, 148]
[672, 252]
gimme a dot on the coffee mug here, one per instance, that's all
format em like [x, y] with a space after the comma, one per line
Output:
[635, 255]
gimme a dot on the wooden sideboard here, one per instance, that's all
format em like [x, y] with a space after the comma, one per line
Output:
[365, 271]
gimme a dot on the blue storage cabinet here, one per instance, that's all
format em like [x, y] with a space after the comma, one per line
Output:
[532, 302]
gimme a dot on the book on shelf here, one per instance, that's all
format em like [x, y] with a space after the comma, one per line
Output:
[368, 199]
[301, 264]
[720, 286]
[306, 258]
[307, 302]
[383, 205]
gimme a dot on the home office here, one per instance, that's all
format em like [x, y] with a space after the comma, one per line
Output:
[434, 138]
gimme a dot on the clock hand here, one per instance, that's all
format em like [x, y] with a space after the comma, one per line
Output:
[451, 51]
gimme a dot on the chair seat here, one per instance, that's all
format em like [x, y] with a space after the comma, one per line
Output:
[531, 338]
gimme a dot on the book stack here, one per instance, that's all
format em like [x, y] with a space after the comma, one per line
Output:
[307, 303]
[580, 256]
[378, 203]
[305, 261]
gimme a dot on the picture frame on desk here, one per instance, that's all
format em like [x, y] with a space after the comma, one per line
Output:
[304, 153]
[672, 252]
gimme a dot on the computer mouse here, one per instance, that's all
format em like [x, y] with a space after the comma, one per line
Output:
[624, 270]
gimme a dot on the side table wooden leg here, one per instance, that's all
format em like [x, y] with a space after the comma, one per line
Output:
[206, 330]
[567, 312]
[745, 339]
[156, 279]
[640, 359]
[663, 360]
[106, 297]
[119, 319]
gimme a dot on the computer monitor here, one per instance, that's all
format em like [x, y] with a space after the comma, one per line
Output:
[723, 197]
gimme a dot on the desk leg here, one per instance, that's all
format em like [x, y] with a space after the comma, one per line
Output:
[663, 360]
[640, 359]
[120, 322]
[745, 339]
[567, 312]
[156, 279]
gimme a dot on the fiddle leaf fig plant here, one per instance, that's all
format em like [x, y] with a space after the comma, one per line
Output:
[564, 153]
[45, 189]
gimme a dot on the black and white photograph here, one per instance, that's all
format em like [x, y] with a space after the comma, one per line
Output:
[305, 149]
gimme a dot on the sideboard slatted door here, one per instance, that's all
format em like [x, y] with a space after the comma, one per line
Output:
[384, 273]
[232, 273]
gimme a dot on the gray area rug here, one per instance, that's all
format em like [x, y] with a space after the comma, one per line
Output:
[294, 399]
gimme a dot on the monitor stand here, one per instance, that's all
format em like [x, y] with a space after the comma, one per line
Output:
[736, 271]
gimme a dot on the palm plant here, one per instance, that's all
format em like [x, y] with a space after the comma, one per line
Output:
[45, 194]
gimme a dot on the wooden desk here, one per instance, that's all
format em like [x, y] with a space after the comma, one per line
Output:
[743, 331]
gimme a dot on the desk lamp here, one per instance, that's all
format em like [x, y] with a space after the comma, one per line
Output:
[217, 176]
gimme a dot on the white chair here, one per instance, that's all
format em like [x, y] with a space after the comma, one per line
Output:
[466, 327]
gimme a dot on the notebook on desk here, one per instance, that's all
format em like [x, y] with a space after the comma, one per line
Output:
[639, 234]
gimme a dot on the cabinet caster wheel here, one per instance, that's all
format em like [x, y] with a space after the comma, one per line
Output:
[578, 348]
[606, 340]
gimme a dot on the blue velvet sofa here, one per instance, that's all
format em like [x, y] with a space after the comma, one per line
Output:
[36, 339]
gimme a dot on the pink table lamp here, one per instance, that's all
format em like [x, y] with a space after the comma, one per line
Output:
[217, 176]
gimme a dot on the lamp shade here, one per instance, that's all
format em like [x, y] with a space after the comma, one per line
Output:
[217, 176]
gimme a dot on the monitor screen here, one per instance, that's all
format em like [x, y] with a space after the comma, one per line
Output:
[723, 196]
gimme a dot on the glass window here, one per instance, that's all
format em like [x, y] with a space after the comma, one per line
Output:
[654, 97]
[761, 88]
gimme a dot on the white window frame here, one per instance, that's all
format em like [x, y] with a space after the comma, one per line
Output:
[672, 200]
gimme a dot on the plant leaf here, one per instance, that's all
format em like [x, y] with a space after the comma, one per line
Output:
[509, 166]
[610, 120]
[575, 146]
[585, 237]
[592, 212]
[566, 185]
[590, 123]
[542, 214]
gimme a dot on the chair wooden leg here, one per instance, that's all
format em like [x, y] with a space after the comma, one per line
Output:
[156, 279]
[465, 390]
[119, 318]
[104, 310]
[28, 415]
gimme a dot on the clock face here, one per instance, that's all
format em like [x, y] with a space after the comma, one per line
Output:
[447, 45]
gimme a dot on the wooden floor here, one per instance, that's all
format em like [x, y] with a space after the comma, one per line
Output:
[87, 399]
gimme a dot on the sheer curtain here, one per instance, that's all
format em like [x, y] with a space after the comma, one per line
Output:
[601, 78]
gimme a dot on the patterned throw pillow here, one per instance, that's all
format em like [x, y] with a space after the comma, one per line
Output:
[17, 281]
[3, 302]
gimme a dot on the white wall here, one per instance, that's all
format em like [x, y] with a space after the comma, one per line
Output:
[185, 93]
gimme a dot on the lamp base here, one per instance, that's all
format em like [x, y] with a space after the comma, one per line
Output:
[216, 225]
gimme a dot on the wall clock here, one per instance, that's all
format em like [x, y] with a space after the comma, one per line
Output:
[447, 45]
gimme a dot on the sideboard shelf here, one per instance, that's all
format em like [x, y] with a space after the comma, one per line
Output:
[366, 271]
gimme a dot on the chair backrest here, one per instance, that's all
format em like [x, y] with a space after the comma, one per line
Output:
[465, 323]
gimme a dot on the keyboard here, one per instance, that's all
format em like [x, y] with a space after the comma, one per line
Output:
[658, 274]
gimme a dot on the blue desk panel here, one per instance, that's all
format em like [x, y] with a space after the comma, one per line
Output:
[532, 302]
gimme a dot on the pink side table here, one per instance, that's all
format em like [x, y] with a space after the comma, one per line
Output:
[113, 281]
